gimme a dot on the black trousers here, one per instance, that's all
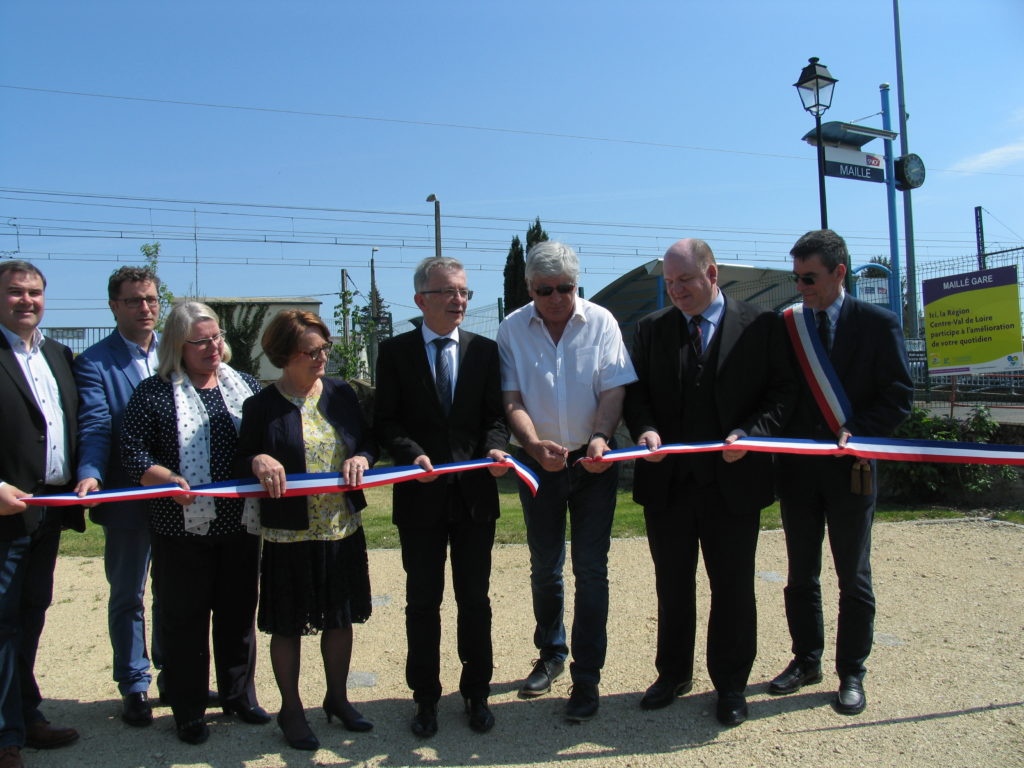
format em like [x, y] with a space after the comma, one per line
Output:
[424, 551]
[699, 521]
[197, 578]
[814, 493]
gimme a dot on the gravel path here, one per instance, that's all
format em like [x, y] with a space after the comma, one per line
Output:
[945, 686]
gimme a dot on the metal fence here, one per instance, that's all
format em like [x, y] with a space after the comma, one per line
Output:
[78, 339]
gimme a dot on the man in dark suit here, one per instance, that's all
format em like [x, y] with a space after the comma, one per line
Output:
[709, 368]
[107, 374]
[36, 457]
[865, 347]
[439, 401]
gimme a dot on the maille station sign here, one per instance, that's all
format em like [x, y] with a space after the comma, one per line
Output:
[854, 164]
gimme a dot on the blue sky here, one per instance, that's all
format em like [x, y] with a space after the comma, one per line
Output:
[675, 118]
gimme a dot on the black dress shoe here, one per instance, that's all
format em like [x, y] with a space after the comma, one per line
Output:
[253, 714]
[664, 691]
[481, 719]
[296, 730]
[731, 709]
[424, 722]
[194, 731]
[583, 702]
[351, 719]
[136, 709]
[540, 679]
[851, 699]
[794, 677]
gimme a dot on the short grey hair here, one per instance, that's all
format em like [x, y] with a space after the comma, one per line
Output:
[421, 277]
[552, 259]
[177, 328]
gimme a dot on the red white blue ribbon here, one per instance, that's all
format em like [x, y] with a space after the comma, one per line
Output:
[817, 368]
[297, 485]
[887, 448]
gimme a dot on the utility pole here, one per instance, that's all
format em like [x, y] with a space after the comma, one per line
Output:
[344, 301]
[979, 229]
[908, 211]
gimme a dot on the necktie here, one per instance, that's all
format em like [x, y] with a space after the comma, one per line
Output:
[442, 374]
[696, 336]
[823, 330]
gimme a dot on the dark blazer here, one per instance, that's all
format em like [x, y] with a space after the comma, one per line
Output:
[106, 378]
[271, 424]
[409, 422]
[23, 449]
[754, 391]
[870, 360]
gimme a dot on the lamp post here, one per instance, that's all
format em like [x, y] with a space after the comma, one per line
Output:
[374, 312]
[437, 223]
[815, 88]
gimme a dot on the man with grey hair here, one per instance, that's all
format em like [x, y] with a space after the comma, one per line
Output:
[438, 401]
[107, 373]
[564, 370]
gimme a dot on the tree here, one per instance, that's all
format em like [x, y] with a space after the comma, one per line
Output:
[870, 272]
[347, 355]
[151, 252]
[516, 294]
[241, 324]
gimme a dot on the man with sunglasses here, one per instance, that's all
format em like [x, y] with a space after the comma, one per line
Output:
[864, 345]
[438, 401]
[563, 374]
[710, 368]
[107, 373]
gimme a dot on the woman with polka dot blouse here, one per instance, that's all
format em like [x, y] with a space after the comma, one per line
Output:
[181, 427]
[315, 576]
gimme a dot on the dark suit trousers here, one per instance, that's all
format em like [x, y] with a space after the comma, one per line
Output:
[424, 552]
[698, 520]
[815, 492]
[26, 589]
[196, 577]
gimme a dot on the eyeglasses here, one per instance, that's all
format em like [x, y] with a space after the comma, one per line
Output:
[316, 354]
[805, 279]
[451, 293]
[206, 342]
[547, 290]
[136, 301]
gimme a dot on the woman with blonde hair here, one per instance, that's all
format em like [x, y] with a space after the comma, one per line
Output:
[181, 427]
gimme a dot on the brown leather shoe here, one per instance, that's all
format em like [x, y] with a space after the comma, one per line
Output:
[42, 735]
[10, 757]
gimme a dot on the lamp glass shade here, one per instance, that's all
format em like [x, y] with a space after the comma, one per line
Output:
[815, 87]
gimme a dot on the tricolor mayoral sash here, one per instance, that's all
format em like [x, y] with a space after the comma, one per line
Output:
[817, 368]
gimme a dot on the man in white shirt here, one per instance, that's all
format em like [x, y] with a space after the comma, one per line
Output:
[36, 457]
[564, 370]
[107, 374]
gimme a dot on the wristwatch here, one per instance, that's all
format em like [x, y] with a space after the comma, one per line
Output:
[602, 435]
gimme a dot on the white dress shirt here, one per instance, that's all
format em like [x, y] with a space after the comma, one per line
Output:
[451, 351]
[560, 383]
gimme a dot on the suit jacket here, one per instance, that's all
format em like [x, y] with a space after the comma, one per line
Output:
[754, 391]
[409, 421]
[23, 449]
[272, 424]
[870, 360]
[106, 378]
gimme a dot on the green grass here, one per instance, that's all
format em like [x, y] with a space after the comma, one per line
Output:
[629, 520]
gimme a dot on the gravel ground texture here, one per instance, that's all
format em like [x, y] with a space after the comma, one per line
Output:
[945, 683]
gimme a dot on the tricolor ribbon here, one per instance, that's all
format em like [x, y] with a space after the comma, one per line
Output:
[888, 448]
[817, 368]
[298, 484]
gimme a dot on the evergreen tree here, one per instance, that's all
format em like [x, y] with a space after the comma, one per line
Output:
[151, 253]
[515, 277]
[535, 234]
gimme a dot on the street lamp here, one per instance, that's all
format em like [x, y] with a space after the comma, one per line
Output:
[815, 88]
[437, 224]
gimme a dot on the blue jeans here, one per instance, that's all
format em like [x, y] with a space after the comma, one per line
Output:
[590, 501]
[26, 589]
[126, 560]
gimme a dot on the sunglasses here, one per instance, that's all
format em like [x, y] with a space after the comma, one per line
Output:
[805, 279]
[547, 290]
